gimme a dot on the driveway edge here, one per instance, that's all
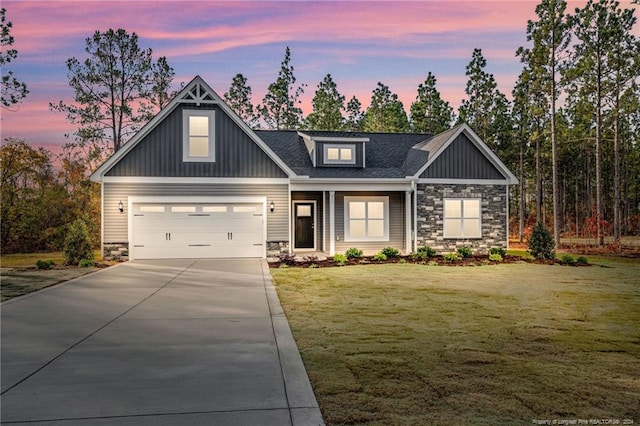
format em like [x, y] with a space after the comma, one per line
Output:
[302, 401]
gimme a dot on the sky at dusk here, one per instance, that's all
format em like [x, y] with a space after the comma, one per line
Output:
[358, 43]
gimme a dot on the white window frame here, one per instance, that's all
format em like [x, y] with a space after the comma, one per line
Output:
[211, 115]
[339, 147]
[462, 218]
[366, 200]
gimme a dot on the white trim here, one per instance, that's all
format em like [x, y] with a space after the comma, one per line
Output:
[415, 218]
[407, 222]
[315, 228]
[327, 147]
[101, 221]
[332, 223]
[366, 199]
[210, 114]
[99, 173]
[475, 139]
[290, 231]
[324, 220]
[193, 199]
[333, 138]
[507, 236]
[350, 185]
[195, 180]
[464, 181]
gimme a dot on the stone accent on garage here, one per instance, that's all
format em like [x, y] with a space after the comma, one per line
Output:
[430, 215]
[115, 251]
[275, 248]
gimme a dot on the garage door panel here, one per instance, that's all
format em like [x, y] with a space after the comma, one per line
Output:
[180, 230]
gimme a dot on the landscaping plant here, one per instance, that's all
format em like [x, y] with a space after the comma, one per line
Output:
[465, 252]
[451, 257]
[390, 252]
[353, 253]
[380, 256]
[340, 259]
[582, 260]
[77, 244]
[568, 259]
[541, 244]
[495, 257]
[498, 250]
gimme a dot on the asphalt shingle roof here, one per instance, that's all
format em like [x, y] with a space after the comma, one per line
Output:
[388, 155]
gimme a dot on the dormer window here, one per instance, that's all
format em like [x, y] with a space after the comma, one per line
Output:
[339, 154]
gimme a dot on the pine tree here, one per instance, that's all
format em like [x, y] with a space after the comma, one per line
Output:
[353, 123]
[279, 108]
[13, 91]
[239, 99]
[429, 113]
[328, 105]
[385, 113]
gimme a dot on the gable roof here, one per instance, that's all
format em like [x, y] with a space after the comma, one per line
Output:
[195, 93]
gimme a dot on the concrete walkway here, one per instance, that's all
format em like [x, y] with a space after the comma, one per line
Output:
[198, 342]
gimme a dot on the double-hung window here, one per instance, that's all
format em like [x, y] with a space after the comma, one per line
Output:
[462, 218]
[198, 139]
[366, 218]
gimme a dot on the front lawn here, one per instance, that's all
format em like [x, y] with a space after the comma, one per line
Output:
[503, 344]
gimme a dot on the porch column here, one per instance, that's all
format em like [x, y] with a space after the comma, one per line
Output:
[407, 222]
[332, 223]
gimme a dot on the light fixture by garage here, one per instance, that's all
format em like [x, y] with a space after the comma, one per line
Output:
[272, 207]
[120, 206]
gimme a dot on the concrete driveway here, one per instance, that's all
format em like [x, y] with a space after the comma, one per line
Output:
[197, 342]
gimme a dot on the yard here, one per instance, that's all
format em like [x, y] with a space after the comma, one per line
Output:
[503, 344]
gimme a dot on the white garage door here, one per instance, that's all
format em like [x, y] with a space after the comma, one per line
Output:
[197, 230]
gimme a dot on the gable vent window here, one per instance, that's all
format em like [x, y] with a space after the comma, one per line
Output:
[198, 136]
[462, 218]
[339, 154]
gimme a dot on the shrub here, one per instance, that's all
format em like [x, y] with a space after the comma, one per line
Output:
[283, 265]
[432, 263]
[495, 257]
[353, 253]
[541, 244]
[568, 259]
[498, 250]
[44, 264]
[314, 266]
[77, 243]
[380, 256]
[390, 252]
[451, 257]
[427, 251]
[582, 260]
[340, 259]
[465, 252]
[527, 257]
[402, 261]
[85, 263]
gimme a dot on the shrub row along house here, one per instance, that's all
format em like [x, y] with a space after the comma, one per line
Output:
[197, 182]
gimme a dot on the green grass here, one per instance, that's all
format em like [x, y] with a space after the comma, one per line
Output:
[26, 260]
[505, 344]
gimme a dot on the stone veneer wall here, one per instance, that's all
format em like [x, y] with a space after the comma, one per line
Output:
[430, 216]
[115, 251]
[274, 248]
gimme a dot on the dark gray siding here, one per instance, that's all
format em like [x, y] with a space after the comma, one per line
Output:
[160, 153]
[462, 160]
[319, 223]
[359, 154]
[115, 223]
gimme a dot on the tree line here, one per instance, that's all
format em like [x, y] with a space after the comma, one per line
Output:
[571, 132]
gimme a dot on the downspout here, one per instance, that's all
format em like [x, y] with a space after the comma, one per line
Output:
[414, 186]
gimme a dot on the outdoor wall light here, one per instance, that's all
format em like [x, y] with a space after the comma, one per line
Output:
[120, 206]
[272, 207]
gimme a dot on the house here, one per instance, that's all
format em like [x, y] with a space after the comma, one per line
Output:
[197, 182]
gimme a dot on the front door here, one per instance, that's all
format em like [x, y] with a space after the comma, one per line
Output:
[304, 225]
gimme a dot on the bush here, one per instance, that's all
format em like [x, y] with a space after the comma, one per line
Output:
[353, 253]
[541, 244]
[44, 264]
[495, 257]
[427, 251]
[465, 252]
[568, 259]
[390, 252]
[77, 243]
[313, 266]
[498, 250]
[451, 257]
[380, 256]
[86, 263]
[582, 260]
[340, 259]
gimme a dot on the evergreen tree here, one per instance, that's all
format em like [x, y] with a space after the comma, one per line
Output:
[429, 113]
[386, 113]
[353, 123]
[239, 99]
[328, 105]
[13, 91]
[279, 108]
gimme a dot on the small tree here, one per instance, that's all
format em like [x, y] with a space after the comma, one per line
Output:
[77, 244]
[541, 244]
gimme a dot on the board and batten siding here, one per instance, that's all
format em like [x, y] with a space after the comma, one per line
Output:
[396, 223]
[115, 223]
[160, 153]
[462, 160]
